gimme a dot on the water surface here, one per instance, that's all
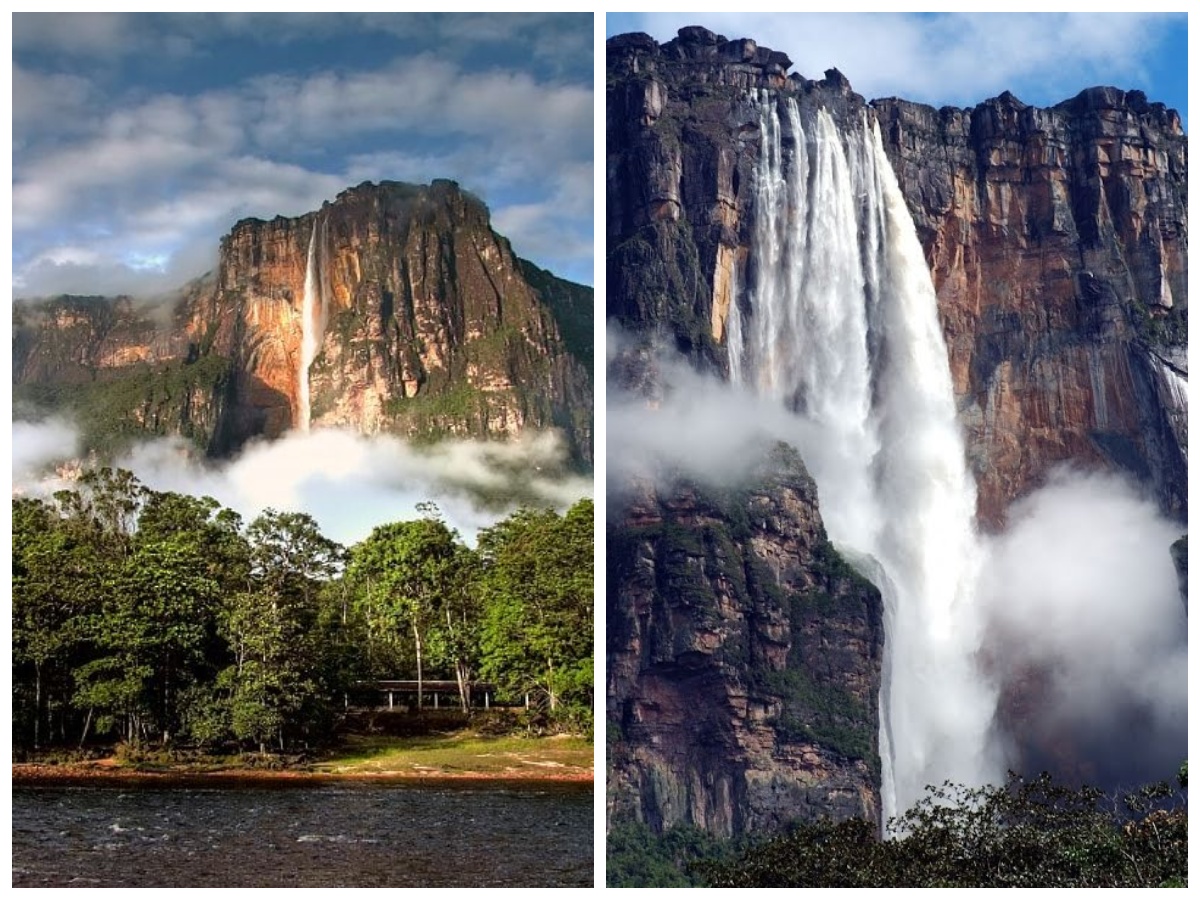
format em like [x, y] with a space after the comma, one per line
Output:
[342, 835]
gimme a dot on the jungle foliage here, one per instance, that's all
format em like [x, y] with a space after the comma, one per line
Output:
[161, 619]
[1025, 833]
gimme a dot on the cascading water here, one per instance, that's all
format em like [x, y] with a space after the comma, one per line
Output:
[837, 319]
[312, 321]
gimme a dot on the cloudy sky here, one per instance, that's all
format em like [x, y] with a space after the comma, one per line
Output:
[139, 139]
[960, 59]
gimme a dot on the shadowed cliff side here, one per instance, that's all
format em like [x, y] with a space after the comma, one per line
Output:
[743, 658]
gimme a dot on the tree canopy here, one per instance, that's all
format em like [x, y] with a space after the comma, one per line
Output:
[157, 617]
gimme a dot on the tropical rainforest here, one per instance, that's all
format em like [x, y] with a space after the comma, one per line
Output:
[160, 619]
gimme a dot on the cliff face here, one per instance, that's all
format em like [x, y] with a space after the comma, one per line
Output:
[424, 323]
[743, 659]
[1057, 240]
[1058, 243]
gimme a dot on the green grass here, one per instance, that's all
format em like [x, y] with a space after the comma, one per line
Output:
[462, 753]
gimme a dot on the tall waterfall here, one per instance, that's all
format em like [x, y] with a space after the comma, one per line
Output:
[837, 319]
[313, 314]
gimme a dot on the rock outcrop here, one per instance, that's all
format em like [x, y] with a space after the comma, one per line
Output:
[1058, 243]
[1057, 239]
[426, 325]
[743, 658]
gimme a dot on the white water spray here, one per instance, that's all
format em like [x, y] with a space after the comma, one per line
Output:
[313, 314]
[838, 320]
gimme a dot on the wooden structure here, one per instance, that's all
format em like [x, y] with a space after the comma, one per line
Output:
[480, 692]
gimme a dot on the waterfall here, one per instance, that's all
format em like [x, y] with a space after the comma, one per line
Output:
[837, 319]
[1173, 390]
[313, 314]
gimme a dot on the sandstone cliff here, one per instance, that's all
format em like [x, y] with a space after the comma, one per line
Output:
[1058, 243]
[424, 321]
[1057, 240]
[743, 659]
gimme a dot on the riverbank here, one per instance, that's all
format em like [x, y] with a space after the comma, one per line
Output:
[450, 757]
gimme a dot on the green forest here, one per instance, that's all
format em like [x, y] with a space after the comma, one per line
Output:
[1033, 832]
[160, 619]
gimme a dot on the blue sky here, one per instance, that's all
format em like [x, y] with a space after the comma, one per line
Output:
[960, 59]
[139, 139]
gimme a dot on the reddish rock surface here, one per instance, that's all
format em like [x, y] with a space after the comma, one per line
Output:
[433, 326]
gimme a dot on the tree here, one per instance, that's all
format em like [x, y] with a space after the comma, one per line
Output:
[270, 629]
[536, 583]
[54, 576]
[409, 574]
[1025, 833]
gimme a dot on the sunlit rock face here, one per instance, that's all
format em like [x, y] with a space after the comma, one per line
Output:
[1058, 243]
[419, 321]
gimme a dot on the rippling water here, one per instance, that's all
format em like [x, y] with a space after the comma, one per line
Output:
[344, 835]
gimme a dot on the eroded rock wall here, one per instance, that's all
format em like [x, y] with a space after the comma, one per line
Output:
[743, 658]
[431, 327]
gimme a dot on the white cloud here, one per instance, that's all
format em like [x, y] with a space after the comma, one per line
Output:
[952, 58]
[143, 174]
[348, 482]
[38, 446]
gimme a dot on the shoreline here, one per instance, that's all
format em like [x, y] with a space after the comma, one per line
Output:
[103, 772]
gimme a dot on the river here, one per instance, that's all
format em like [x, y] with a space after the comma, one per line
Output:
[339, 835]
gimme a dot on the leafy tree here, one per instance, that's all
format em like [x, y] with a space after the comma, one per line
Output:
[1026, 833]
[636, 856]
[55, 575]
[409, 574]
[536, 583]
[151, 631]
[270, 630]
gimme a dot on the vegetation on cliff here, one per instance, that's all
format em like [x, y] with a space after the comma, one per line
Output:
[160, 619]
[1026, 833]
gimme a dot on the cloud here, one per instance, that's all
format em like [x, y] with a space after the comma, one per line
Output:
[38, 446]
[105, 175]
[78, 34]
[348, 482]
[958, 58]
[1085, 614]
[691, 425]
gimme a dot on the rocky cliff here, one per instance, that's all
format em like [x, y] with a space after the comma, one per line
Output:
[1057, 240]
[421, 321]
[1058, 243]
[743, 658]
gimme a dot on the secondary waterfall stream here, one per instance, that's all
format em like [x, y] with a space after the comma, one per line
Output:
[313, 312]
[837, 319]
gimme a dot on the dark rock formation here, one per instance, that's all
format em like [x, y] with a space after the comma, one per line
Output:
[743, 659]
[433, 328]
[1179, 556]
[1057, 240]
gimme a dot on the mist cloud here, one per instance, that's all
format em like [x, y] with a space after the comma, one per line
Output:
[691, 425]
[1085, 615]
[348, 482]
